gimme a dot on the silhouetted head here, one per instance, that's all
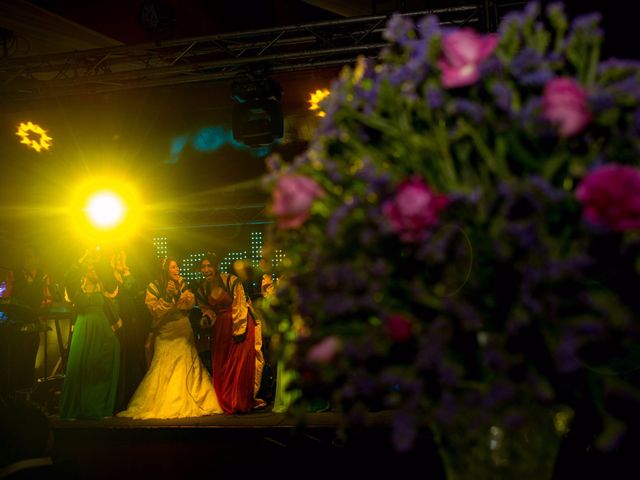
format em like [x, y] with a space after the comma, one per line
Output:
[25, 432]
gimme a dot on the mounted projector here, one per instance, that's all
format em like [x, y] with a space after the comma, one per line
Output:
[257, 114]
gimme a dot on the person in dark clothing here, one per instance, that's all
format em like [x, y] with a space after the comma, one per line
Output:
[30, 283]
[30, 297]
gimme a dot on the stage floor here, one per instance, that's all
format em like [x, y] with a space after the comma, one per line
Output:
[268, 445]
[261, 445]
[258, 419]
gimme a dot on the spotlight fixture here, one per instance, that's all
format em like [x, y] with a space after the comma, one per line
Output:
[257, 113]
[38, 141]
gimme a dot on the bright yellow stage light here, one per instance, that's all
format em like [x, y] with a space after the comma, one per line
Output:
[105, 209]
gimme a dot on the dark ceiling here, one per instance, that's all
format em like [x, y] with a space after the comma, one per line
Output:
[154, 135]
[122, 19]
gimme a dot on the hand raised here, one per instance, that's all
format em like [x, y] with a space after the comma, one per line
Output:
[172, 288]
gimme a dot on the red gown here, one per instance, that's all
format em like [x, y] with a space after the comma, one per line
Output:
[233, 354]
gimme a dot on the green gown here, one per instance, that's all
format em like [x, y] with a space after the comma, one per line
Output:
[91, 379]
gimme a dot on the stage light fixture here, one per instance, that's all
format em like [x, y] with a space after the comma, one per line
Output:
[257, 118]
[34, 136]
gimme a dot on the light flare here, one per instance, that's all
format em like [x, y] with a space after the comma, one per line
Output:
[314, 101]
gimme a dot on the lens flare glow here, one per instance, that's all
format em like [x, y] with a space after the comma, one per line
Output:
[105, 209]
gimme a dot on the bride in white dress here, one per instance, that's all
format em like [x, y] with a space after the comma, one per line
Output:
[177, 384]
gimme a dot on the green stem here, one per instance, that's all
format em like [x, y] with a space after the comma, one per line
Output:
[495, 165]
[448, 164]
[593, 65]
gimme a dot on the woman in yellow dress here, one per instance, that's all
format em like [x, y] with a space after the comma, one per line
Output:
[177, 385]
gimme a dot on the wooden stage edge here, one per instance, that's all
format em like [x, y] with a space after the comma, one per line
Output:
[262, 419]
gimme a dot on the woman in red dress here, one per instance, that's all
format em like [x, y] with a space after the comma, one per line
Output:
[224, 308]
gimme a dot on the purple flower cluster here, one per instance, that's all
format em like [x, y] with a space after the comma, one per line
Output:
[462, 232]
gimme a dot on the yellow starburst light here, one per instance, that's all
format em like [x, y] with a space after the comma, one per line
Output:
[315, 98]
[34, 136]
[105, 210]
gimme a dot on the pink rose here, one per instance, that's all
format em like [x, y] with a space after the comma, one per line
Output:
[564, 103]
[413, 210]
[462, 53]
[324, 350]
[399, 328]
[610, 196]
[292, 199]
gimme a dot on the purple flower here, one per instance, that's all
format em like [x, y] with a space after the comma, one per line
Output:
[617, 68]
[398, 28]
[469, 108]
[336, 218]
[610, 196]
[529, 112]
[526, 61]
[588, 25]
[462, 53]
[512, 21]
[503, 96]
[499, 393]
[564, 102]
[567, 354]
[428, 27]
[292, 199]
[537, 77]
[274, 163]
[602, 101]
[413, 210]
[379, 267]
[434, 97]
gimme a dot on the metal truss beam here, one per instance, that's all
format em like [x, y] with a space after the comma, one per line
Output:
[209, 58]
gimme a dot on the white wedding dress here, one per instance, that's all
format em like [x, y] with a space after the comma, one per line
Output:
[177, 384]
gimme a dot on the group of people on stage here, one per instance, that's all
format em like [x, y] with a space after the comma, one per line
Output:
[109, 370]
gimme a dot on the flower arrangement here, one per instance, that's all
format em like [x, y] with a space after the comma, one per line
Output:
[462, 232]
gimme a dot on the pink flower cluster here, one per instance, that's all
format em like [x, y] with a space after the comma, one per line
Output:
[325, 350]
[610, 196]
[463, 51]
[564, 103]
[413, 210]
[292, 199]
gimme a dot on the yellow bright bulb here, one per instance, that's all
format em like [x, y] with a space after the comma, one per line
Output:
[105, 210]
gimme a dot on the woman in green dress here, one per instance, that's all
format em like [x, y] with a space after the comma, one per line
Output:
[91, 379]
